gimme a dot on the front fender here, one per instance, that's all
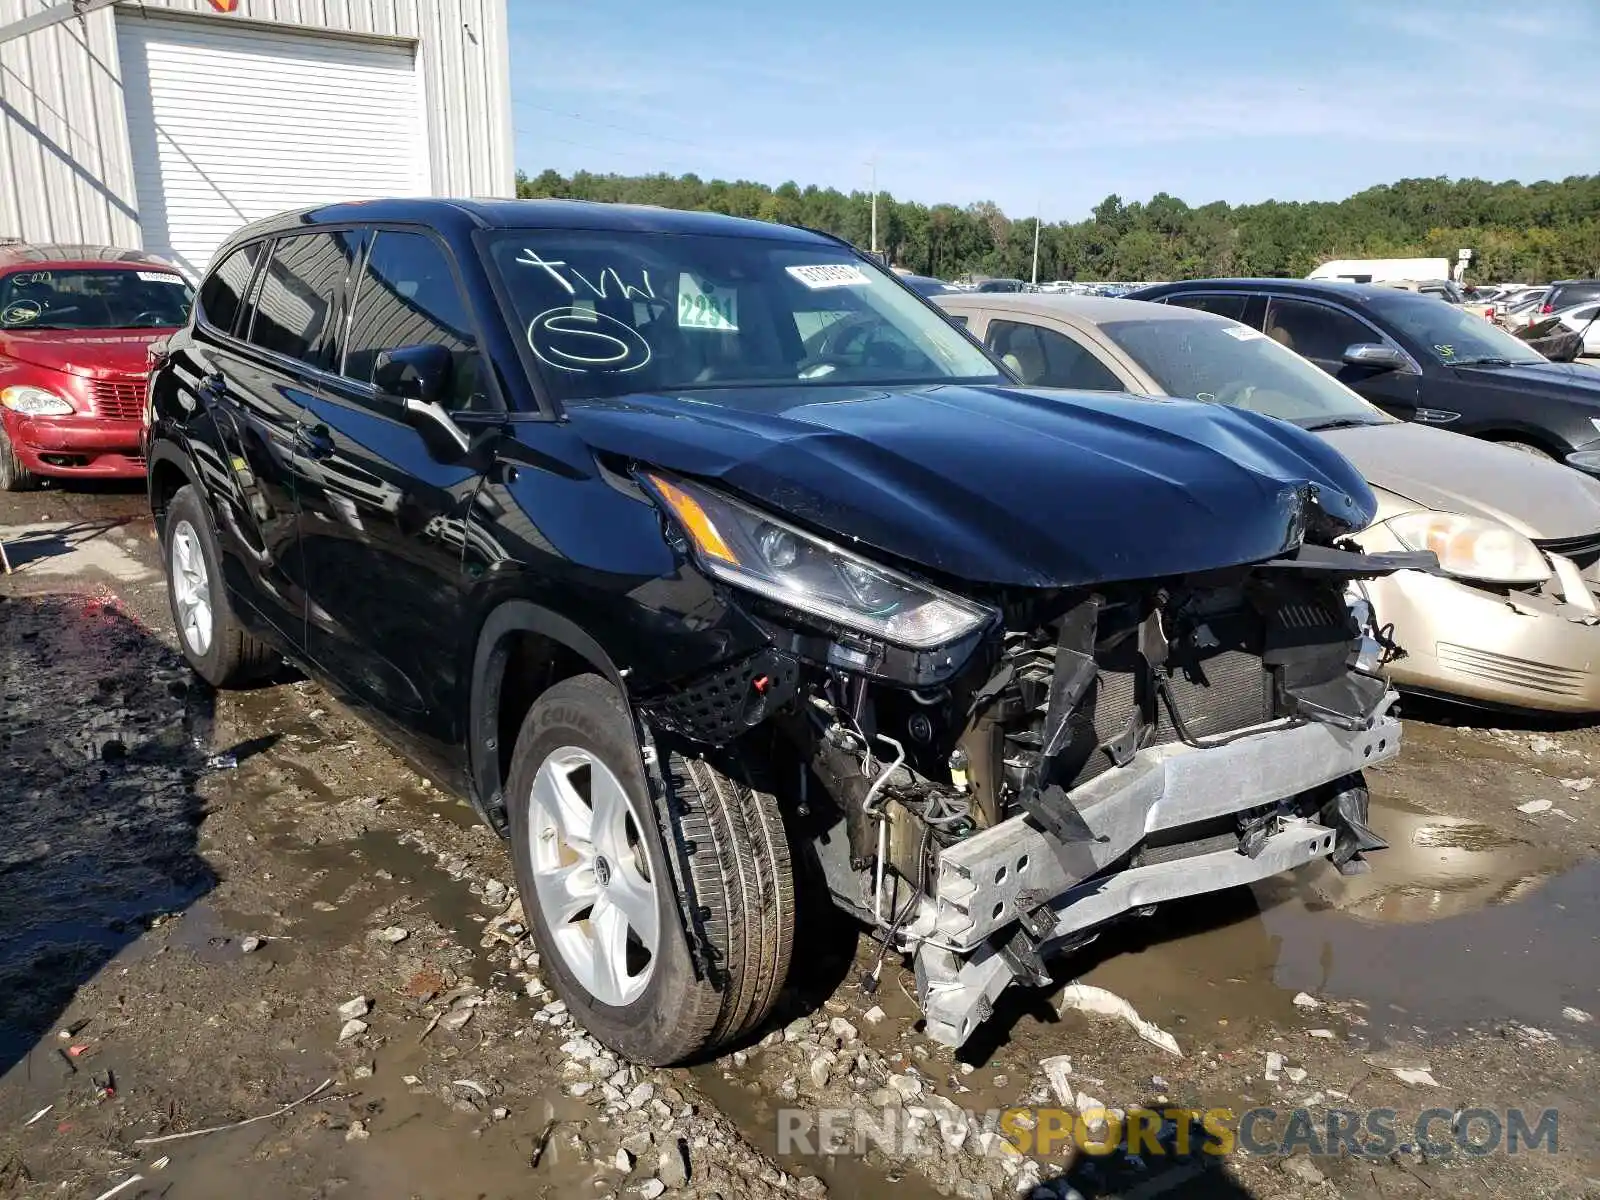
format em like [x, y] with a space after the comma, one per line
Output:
[488, 673]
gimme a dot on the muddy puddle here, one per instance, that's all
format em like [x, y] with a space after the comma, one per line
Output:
[1456, 923]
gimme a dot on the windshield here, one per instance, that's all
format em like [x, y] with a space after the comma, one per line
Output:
[96, 298]
[1453, 336]
[607, 314]
[1224, 362]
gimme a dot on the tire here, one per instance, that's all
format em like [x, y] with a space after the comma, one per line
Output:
[658, 1009]
[14, 477]
[226, 656]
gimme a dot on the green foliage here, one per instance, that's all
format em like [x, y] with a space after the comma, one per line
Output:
[1525, 232]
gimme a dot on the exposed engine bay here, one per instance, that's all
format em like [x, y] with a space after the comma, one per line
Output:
[1176, 736]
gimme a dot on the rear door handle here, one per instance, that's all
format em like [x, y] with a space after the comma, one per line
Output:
[315, 440]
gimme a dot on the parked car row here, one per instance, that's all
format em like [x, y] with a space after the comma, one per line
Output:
[1512, 617]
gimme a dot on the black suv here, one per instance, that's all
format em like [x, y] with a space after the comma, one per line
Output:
[708, 561]
[1417, 358]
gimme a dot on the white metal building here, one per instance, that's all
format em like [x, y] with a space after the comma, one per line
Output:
[166, 124]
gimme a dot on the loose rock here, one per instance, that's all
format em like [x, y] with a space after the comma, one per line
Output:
[673, 1169]
[351, 1009]
[1418, 1076]
[1302, 1168]
[352, 1028]
[821, 1069]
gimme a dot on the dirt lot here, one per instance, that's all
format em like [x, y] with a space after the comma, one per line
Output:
[198, 888]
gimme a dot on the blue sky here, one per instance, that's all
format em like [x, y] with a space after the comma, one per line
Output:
[1057, 104]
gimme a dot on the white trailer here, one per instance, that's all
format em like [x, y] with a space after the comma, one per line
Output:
[1382, 270]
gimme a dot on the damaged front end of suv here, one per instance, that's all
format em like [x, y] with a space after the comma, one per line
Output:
[986, 771]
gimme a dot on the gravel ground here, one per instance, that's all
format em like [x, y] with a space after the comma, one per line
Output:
[218, 936]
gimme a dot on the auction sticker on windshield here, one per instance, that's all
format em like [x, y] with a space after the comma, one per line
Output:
[1243, 333]
[704, 306]
[159, 277]
[830, 275]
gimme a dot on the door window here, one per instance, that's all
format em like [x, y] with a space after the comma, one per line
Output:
[408, 296]
[1045, 358]
[1231, 305]
[295, 298]
[222, 295]
[1315, 330]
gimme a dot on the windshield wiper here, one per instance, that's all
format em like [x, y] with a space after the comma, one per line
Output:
[1483, 360]
[1339, 423]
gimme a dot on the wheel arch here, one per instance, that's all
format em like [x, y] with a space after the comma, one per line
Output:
[522, 649]
[1533, 435]
[168, 470]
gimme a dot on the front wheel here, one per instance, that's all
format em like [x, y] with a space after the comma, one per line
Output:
[599, 891]
[14, 477]
[213, 641]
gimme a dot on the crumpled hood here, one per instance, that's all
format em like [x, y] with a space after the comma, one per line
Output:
[94, 353]
[1434, 468]
[999, 485]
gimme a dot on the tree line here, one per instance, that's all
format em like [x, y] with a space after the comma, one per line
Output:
[1523, 232]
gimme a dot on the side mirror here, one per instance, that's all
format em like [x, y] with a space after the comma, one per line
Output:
[412, 372]
[1375, 357]
[417, 376]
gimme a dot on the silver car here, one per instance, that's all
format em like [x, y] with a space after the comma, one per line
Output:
[1584, 320]
[1515, 619]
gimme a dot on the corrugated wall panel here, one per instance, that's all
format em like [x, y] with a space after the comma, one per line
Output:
[65, 171]
[66, 166]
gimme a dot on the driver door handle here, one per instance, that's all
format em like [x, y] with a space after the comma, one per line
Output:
[315, 441]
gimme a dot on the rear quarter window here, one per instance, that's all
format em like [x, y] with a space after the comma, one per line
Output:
[222, 294]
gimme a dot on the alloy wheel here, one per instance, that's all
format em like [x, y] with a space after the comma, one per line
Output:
[592, 876]
[191, 588]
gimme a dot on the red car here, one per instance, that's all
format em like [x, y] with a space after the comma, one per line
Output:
[76, 323]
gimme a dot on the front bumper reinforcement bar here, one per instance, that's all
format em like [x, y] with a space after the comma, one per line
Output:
[1015, 870]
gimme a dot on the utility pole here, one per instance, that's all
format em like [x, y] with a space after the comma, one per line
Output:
[1036, 215]
[873, 163]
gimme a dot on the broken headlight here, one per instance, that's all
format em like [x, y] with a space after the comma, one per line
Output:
[758, 552]
[1472, 547]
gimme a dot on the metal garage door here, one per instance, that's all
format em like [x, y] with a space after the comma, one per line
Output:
[230, 123]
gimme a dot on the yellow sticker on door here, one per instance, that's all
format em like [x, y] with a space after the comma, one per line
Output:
[704, 306]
